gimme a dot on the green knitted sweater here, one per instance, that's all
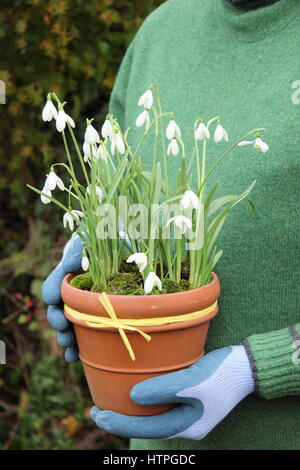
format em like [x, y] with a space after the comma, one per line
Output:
[210, 58]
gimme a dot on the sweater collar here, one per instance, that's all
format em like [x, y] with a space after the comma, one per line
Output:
[254, 25]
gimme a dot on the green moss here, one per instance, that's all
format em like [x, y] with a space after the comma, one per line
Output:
[170, 286]
[130, 282]
[82, 281]
[185, 270]
[126, 284]
[184, 284]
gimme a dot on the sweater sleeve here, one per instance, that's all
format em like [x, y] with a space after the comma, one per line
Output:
[275, 361]
[117, 104]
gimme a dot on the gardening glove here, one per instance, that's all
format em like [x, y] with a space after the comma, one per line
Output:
[205, 393]
[70, 262]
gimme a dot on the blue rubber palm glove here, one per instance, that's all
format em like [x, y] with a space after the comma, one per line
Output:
[205, 393]
[70, 262]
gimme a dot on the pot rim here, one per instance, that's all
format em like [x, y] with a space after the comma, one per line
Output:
[144, 306]
[121, 297]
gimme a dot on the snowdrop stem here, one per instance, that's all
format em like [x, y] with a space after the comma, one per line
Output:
[218, 161]
[209, 123]
[178, 259]
[164, 149]
[201, 195]
[74, 180]
[197, 155]
[68, 155]
[79, 154]
[64, 166]
[52, 199]
[71, 194]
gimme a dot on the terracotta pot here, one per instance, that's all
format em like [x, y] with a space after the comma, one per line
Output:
[109, 370]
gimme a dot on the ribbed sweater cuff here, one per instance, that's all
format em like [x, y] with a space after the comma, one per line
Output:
[275, 362]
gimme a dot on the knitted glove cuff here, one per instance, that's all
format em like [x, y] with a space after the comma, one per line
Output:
[275, 362]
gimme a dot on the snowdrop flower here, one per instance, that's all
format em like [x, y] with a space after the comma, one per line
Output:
[189, 200]
[173, 148]
[173, 130]
[62, 120]
[118, 143]
[146, 100]
[99, 193]
[69, 220]
[49, 111]
[107, 130]
[143, 118]
[85, 262]
[152, 280]
[257, 144]
[183, 223]
[91, 136]
[202, 132]
[44, 199]
[89, 151]
[101, 152]
[53, 180]
[140, 259]
[220, 134]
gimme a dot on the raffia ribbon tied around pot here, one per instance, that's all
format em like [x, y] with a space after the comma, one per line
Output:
[131, 324]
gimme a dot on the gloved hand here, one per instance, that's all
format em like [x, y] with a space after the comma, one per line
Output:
[205, 392]
[70, 262]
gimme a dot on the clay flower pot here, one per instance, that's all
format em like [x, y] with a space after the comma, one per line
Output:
[109, 370]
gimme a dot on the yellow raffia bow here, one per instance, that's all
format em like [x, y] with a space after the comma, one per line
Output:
[130, 324]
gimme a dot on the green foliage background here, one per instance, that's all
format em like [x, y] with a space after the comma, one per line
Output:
[74, 48]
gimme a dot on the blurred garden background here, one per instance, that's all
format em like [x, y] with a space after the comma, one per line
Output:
[73, 48]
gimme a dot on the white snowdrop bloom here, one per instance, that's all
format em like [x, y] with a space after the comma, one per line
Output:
[99, 193]
[146, 100]
[62, 120]
[44, 199]
[91, 136]
[53, 180]
[257, 143]
[119, 143]
[182, 222]
[49, 111]
[107, 130]
[245, 142]
[101, 152]
[140, 259]
[173, 148]
[85, 263]
[143, 118]
[189, 200]
[152, 280]
[69, 220]
[173, 130]
[202, 132]
[89, 151]
[220, 134]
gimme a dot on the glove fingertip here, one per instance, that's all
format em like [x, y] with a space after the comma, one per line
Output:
[94, 412]
[57, 319]
[141, 394]
[73, 255]
[51, 286]
[66, 338]
[71, 354]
